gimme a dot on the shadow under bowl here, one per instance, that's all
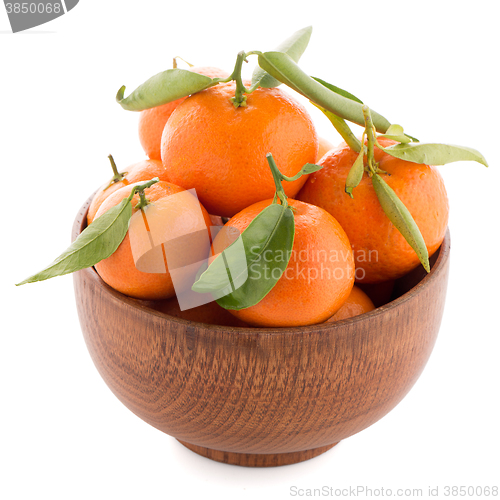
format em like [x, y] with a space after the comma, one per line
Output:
[261, 396]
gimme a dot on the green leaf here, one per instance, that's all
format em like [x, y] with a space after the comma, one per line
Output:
[337, 90]
[434, 154]
[414, 139]
[164, 87]
[284, 69]
[307, 169]
[399, 215]
[355, 174]
[96, 242]
[403, 139]
[396, 133]
[267, 243]
[294, 46]
[227, 272]
[342, 128]
[395, 129]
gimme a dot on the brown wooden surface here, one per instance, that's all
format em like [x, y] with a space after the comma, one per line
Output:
[255, 459]
[245, 392]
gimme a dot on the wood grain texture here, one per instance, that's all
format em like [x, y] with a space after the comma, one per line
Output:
[255, 459]
[235, 394]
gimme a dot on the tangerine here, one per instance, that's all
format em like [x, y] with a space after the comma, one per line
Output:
[152, 121]
[357, 303]
[381, 252]
[323, 147]
[319, 275]
[140, 171]
[173, 216]
[220, 150]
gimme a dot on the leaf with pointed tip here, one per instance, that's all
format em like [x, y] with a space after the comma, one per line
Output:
[414, 139]
[434, 154]
[267, 244]
[96, 242]
[355, 173]
[284, 69]
[399, 215]
[164, 87]
[294, 46]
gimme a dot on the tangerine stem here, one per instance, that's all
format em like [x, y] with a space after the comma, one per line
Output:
[256, 84]
[143, 201]
[278, 177]
[371, 139]
[117, 176]
[239, 99]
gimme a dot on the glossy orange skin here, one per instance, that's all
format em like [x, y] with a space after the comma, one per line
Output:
[220, 150]
[357, 303]
[141, 171]
[381, 252]
[315, 283]
[152, 121]
[151, 124]
[119, 270]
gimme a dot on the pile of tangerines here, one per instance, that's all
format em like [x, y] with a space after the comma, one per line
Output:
[206, 143]
[358, 216]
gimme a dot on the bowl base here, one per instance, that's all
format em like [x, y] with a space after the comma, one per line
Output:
[257, 459]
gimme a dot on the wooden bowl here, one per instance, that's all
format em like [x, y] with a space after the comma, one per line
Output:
[261, 396]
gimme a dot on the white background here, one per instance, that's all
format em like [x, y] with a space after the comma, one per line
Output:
[430, 66]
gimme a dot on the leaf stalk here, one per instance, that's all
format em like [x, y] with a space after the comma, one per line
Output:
[371, 140]
[342, 128]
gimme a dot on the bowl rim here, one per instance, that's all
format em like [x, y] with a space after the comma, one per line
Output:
[443, 256]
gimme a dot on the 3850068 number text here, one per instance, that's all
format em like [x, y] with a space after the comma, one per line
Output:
[470, 491]
[33, 8]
